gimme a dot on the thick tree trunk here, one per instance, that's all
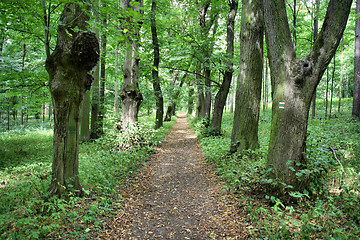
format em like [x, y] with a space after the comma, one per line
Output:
[130, 92]
[294, 82]
[248, 93]
[76, 53]
[221, 95]
[356, 99]
[155, 70]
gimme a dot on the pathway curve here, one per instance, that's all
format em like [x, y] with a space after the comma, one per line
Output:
[177, 196]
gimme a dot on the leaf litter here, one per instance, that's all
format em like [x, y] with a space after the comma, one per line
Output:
[177, 196]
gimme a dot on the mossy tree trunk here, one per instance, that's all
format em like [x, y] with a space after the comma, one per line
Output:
[248, 93]
[76, 53]
[221, 95]
[130, 92]
[294, 82]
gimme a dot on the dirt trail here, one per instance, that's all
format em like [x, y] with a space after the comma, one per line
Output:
[177, 196]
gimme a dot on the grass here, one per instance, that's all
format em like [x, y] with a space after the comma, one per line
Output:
[331, 211]
[25, 172]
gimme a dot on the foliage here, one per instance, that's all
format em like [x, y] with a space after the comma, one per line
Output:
[24, 210]
[329, 209]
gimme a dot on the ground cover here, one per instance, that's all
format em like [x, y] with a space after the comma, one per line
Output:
[329, 210]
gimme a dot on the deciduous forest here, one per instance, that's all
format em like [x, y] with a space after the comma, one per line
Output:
[194, 119]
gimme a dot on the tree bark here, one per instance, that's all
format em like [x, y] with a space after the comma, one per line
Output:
[76, 53]
[341, 73]
[103, 41]
[95, 93]
[130, 92]
[316, 27]
[116, 98]
[294, 82]
[356, 97]
[221, 95]
[155, 71]
[85, 117]
[248, 93]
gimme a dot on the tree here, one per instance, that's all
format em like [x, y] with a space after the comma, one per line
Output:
[221, 95]
[155, 70]
[294, 82]
[248, 92]
[130, 93]
[76, 53]
[356, 99]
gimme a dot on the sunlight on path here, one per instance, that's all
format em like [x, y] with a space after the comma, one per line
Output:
[177, 196]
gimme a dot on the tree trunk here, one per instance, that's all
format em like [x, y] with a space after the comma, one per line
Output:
[200, 111]
[294, 82]
[116, 98]
[191, 100]
[356, 97]
[85, 117]
[332, 86]
[316, 27]
[327, 93]
[95, 108]
[208, 95]
[341, 73]
[130, 92]
[248, 93]
[76, 53]
[155, 70]
[102, 76]
[175, 95]
[221, 95]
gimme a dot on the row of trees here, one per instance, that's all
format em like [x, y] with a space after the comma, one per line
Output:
[181, 48]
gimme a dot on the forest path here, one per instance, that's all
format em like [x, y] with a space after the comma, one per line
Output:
[177, 196]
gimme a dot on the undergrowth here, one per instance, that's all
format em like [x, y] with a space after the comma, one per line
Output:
[328, 209]
[25, 172]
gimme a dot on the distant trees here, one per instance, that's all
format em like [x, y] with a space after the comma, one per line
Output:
[188, 57]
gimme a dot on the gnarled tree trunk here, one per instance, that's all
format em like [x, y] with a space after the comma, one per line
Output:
[130, 92]
[76, 53]
[294, 82]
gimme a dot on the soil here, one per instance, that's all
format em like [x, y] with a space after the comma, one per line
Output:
[177, 196]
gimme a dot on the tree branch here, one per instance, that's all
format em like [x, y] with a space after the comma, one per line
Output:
[195, 73]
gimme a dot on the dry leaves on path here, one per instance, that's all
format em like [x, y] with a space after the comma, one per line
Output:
[177, 196]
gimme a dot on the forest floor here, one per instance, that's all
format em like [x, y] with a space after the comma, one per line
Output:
[177, 196]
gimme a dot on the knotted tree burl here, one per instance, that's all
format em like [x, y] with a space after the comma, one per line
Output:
[76, 53]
